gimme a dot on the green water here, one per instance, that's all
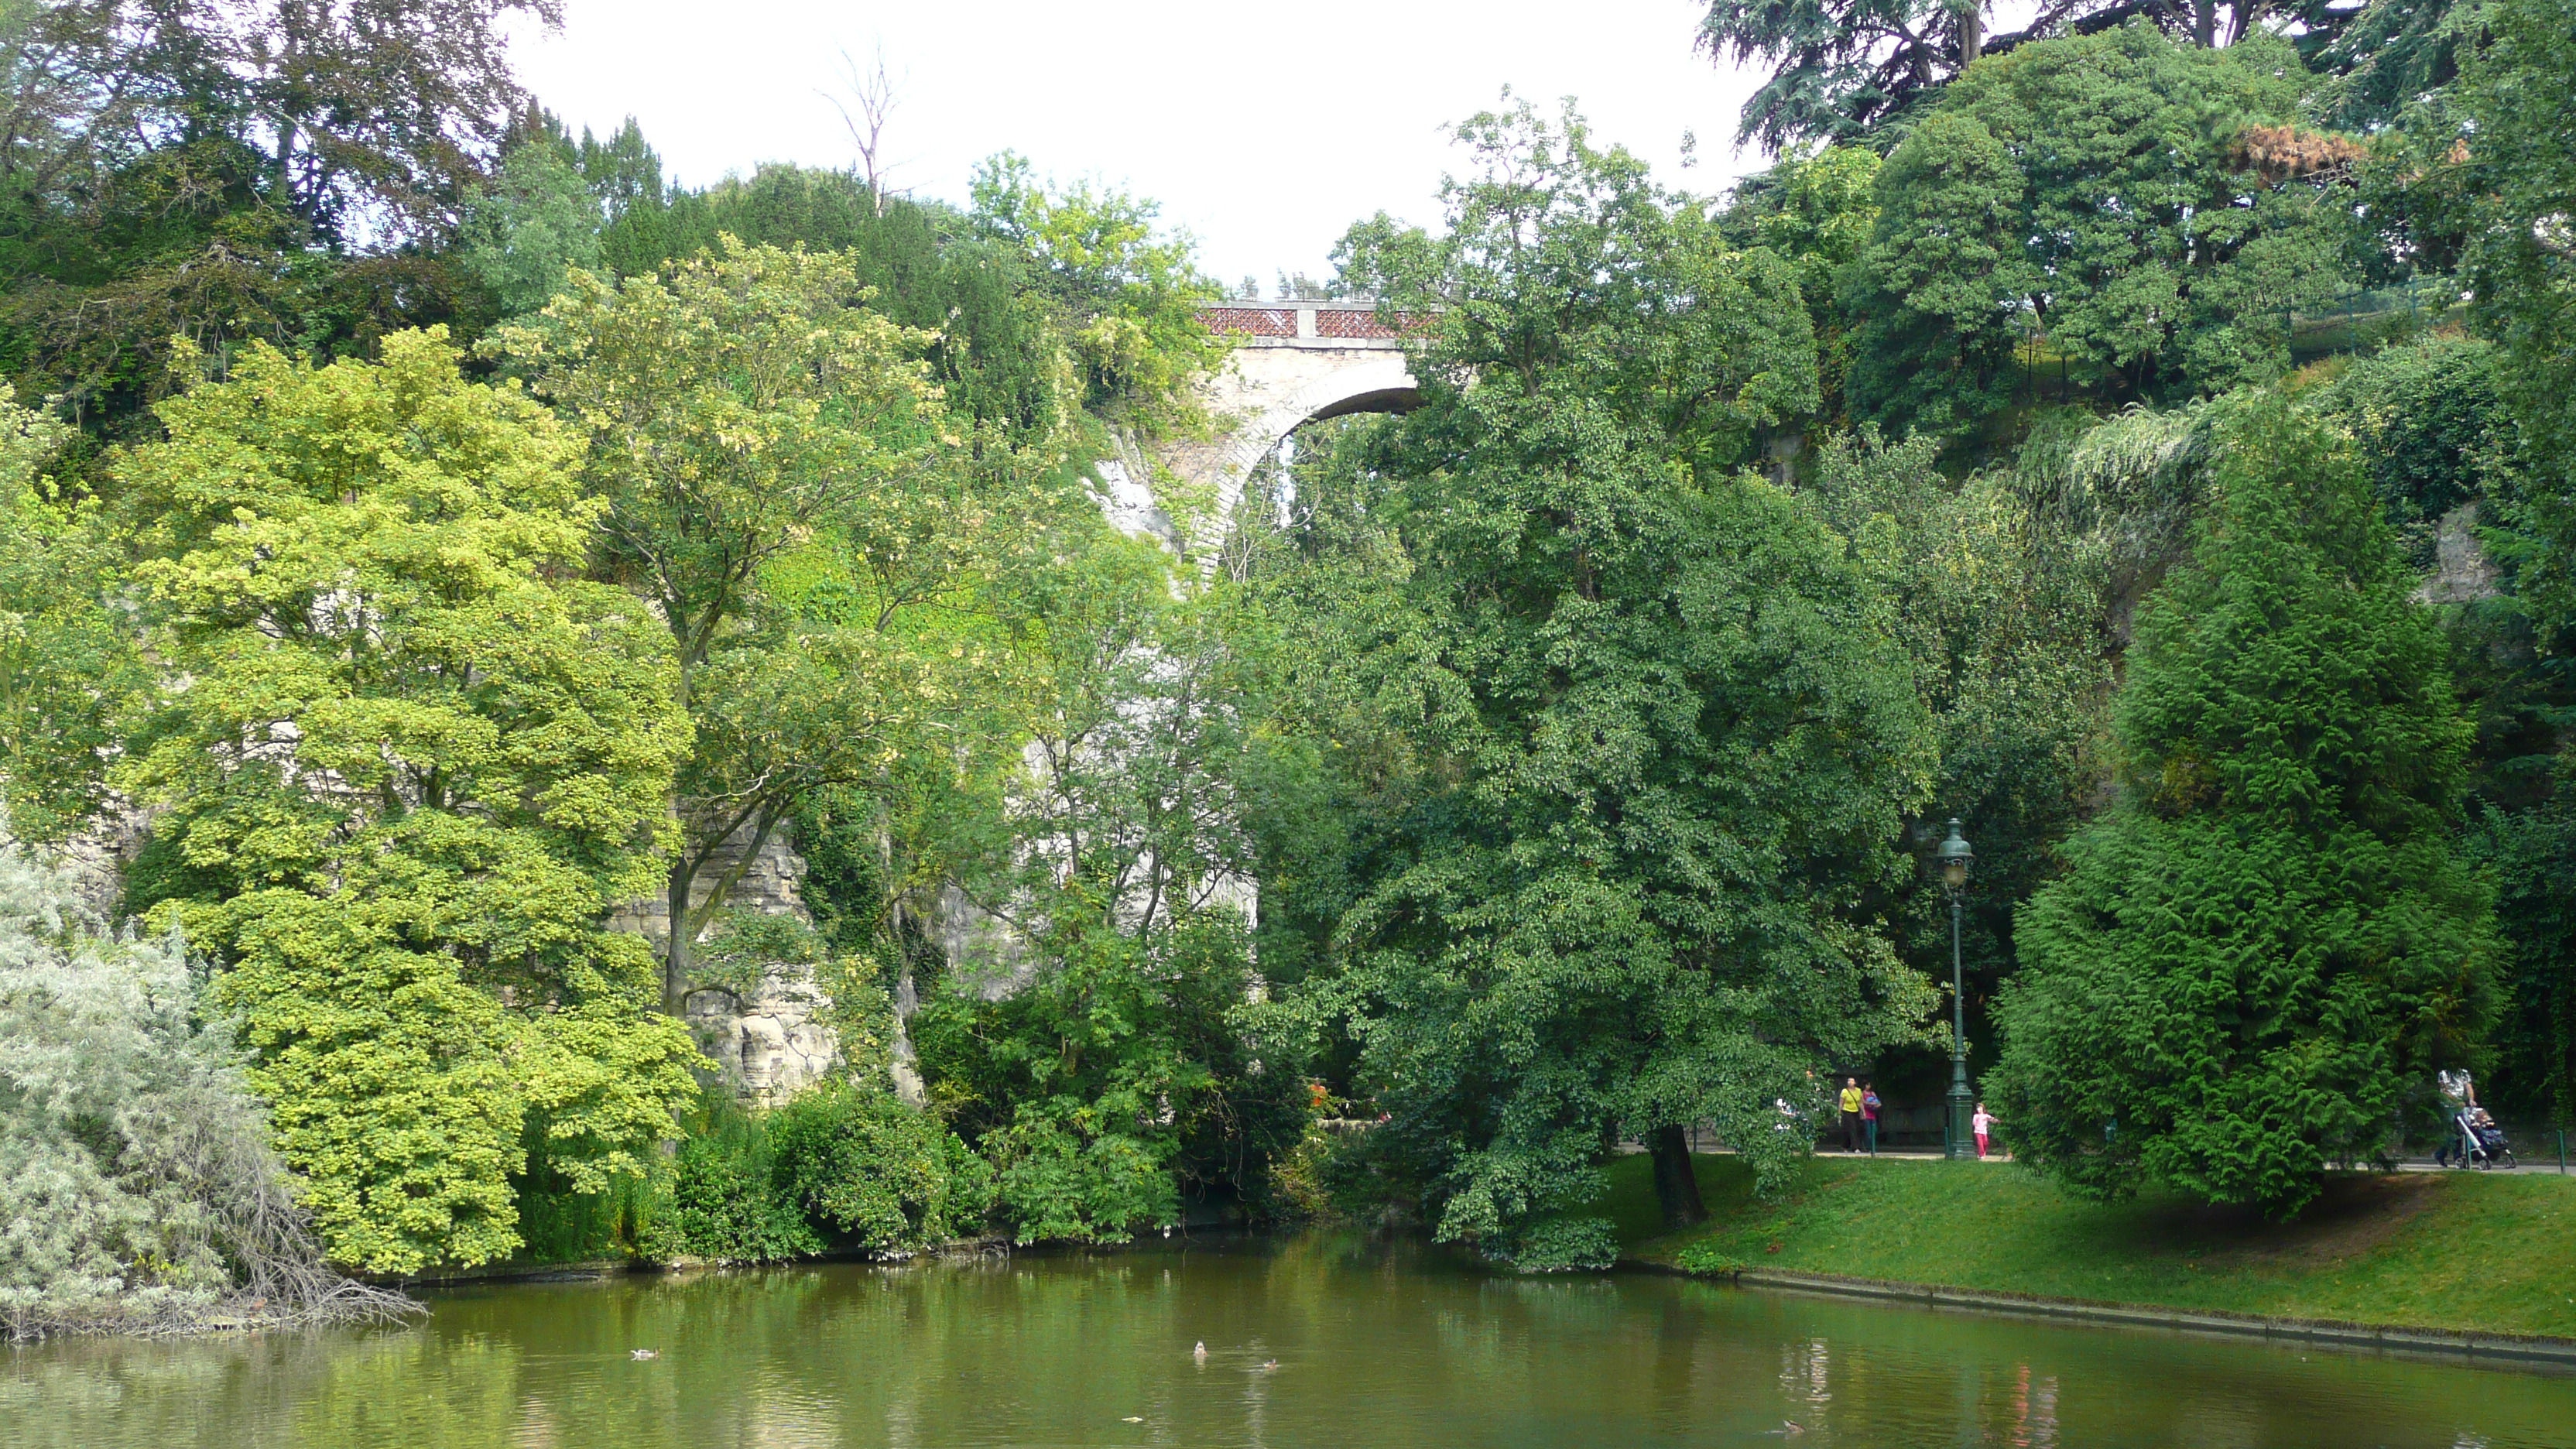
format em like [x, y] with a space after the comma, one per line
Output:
[1372, 1345]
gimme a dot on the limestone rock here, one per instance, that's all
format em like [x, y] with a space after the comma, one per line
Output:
[2462, 572]
[772, 1043]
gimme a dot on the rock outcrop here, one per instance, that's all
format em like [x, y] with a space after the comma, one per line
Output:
[771, 1042]
[775, 1038]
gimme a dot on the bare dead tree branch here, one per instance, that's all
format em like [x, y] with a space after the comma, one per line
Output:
[871, 96]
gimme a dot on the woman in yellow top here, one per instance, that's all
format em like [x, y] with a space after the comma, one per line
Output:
[1850, 1104]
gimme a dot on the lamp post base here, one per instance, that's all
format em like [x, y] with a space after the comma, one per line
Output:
[1963, 1141]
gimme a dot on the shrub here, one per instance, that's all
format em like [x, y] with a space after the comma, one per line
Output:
[883, 1176]
[724, 1200]
[137, 1186]
[1057, 1183]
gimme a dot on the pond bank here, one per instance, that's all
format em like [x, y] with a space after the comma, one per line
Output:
[2450, 1260]
[2516, 1347]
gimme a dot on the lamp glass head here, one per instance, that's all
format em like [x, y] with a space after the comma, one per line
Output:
[1955, 858]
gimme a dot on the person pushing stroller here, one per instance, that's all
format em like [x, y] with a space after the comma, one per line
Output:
[2472, 1137]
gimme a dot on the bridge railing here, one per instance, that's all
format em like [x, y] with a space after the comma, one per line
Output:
[1290, 324]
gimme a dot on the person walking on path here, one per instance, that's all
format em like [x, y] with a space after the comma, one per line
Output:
[1850, 1104]
[2459, 1094]
[1869, 1105]
[1983, 1123]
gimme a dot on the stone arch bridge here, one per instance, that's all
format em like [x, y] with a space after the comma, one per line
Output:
[1293, 363]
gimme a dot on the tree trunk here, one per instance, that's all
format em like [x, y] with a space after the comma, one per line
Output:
[1972, 33]
[1676, 1186]
[675, 955]
[2204, 24]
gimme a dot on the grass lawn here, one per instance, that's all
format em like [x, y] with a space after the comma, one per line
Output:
[2469, 1251]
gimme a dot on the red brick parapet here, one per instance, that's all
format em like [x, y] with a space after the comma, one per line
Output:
[1290, 324]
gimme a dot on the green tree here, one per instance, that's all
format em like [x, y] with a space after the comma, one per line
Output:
[1816, 209]
[1095, 1056]
[744, 410]
[534, 221]
[2535, 1040]
[2099, 189]
[383, 108]
[1845, 69]
[69, 665]
[226, 170]
[1657, 736]
[2271, 940]
[1128, 298]
[415, 764]
[2493, 162]
[2003, 609]
[2386, 56]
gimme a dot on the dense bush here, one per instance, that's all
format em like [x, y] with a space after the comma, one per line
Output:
[2431, 429]
[844, 1166]
[1113, 1081]
[725, 1201]
[137, 1185]
[874, 1173]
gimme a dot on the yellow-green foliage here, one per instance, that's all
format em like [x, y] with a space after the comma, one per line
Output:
[412, 764]
[67, 661]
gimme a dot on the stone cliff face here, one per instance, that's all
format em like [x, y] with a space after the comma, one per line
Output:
[776, 1039]
[2462, 573]
[773, 1042]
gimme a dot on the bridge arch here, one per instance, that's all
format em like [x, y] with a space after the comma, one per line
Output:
[1379, 385]
[1293, 363]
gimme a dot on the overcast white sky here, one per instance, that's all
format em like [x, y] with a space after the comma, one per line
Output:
[1263, 130]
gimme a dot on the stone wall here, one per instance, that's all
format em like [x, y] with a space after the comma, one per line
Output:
[776, 1039]
[773, 1042]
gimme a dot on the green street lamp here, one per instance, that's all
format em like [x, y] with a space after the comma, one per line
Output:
[1955, 857]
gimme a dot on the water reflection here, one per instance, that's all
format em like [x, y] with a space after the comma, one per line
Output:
[1314, 1341]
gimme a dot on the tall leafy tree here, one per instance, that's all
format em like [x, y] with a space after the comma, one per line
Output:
[70, 666]
[2002, 606]
[1664, 736]
[1127, 297]
[2488, 166]
[415, 764]
[743, 410]
[228, 170]
[360, 113]
[1844, 69]
[1816, 210]
[2271, 941]
[2493, 164]
[2104, 190]
[1108, 823]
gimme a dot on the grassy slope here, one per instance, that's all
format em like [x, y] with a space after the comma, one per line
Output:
[2457, 1251]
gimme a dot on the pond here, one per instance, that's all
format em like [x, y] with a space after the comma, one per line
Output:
[1316, 1340]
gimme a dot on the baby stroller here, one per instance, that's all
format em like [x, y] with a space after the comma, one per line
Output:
[2477, 1139]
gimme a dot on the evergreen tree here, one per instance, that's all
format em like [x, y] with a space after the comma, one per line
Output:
[2270, 940]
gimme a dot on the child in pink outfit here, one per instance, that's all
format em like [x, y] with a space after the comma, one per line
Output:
[1983, 1122]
